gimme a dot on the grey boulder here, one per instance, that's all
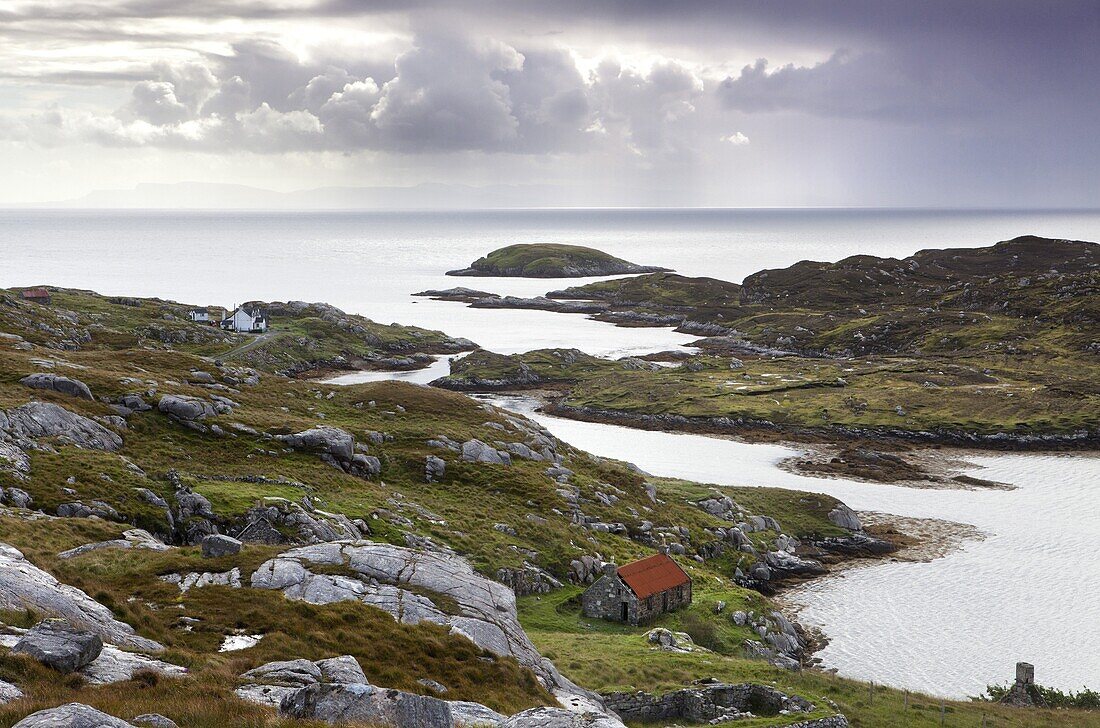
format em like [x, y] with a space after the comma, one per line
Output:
[343, 669]
[359, 702]
[329, 440]
[154, 720]
[299, 672]
[216, 545]
[185, 408]
[844, 517]
[476, 451]
[72, 715]
[434, 468]
[9, 692]
[16, 498]
[57, 644]
[560, 718]
[57, 383]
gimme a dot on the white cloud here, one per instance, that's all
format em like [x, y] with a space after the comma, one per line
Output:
[737, 139]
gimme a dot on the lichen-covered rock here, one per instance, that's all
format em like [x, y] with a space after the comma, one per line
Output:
[24, 586]
[72, 715]
[57, 644]
[57, 383]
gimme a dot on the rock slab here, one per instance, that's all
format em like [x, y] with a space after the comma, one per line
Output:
[57, 644]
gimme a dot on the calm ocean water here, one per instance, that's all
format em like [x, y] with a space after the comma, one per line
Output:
[369, 262]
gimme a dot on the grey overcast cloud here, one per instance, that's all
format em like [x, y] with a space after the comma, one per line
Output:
[797, 103]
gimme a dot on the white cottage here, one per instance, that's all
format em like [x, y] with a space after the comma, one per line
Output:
[246, 320]
[200, 315]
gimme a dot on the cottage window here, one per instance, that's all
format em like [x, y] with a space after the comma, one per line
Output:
[649, 602]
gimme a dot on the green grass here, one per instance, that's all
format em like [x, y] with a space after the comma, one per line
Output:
[1040, 394]
[609, 657]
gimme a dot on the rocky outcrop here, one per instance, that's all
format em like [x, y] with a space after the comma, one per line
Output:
[195, 579]
[58, 383]
[527, 579]
[23, 426]
[337, 691]
[72, 715]
[336, 447]
[396, 579]
[111, 666]
[134, 538]
[476, 451]
[280, 521]
[57, 644]
[24, 586]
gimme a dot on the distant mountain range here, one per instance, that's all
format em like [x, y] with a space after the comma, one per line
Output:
[208, 195]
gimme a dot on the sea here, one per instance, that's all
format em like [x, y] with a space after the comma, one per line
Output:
[1028, 589]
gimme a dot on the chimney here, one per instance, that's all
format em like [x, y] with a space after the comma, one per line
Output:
[609, 568]
[1025, 673]
[663, 549]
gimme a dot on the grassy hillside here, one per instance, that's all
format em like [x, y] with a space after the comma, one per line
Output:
[303, 337]
[1023, 396]
[497, 516]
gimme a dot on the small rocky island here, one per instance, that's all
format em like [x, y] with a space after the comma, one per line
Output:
[551, 260]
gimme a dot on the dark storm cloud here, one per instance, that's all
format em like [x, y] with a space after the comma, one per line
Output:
[1000, 93]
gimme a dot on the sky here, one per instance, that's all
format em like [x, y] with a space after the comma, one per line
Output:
[941, 103]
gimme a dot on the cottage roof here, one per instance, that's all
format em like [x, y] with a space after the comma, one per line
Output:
[36, 293]
[652, 575]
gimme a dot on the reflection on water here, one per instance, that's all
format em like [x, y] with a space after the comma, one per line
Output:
[441, 367]
[1029, 591]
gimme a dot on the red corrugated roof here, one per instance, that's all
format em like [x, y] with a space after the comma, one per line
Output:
[36, 293]
[652, 575]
